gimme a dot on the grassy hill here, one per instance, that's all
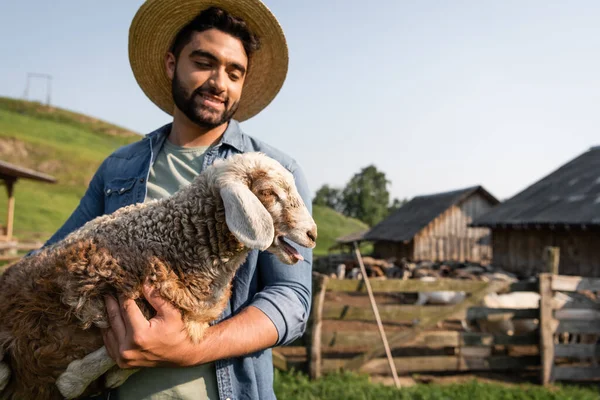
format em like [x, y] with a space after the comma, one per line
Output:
[70, 146]
[66, 145]
[332, 225]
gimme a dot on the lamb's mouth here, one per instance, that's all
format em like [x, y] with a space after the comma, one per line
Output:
[289, 249]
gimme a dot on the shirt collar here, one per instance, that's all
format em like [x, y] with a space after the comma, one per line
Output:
[231, 137]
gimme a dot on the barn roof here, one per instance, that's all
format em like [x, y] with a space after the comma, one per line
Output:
[415, 215]
[568, 196]
[12, 171]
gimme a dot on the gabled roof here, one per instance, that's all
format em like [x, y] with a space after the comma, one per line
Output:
[568, 196]
[12, 171]
[415, 215]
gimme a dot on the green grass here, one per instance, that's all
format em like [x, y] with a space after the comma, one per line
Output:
[348, 386]
[57, 142]
[332, 225]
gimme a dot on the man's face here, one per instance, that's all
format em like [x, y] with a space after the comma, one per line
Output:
[208, 77]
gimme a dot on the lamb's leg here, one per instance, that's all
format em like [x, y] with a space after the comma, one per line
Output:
[80, 373]
[117, 377]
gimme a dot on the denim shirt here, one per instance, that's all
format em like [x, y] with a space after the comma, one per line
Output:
[282, 292]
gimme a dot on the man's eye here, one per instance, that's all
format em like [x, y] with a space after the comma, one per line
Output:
[235, 77]
[203, 64]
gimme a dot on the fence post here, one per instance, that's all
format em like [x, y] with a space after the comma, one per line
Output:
[316, 316]
[546, 327]
[552, 259]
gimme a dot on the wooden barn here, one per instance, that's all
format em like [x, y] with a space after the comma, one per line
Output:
[560, 210]
[435, 228]
[9, 175]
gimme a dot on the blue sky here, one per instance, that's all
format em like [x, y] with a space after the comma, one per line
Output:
[438, 95]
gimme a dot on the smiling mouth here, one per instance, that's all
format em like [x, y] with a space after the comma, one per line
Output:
[212, 101]
[290, 250]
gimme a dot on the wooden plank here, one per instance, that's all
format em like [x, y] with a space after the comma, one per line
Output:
[319, 288]
[407, 286]
[10, 215]
[483, 312]
[575, 283]
[432, 340]
[407, 313]
[427, 323]
[388, 312]
[579, 351]
[576, 373]
[279, 361]
[475, 351]
[547, 323]
[577, 314]
[576, 326]
[437, 364]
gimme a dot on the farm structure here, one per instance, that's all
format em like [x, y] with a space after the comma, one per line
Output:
[435, 228]
[561, 210]
[9, 175]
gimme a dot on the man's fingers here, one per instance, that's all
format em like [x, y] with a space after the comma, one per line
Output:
[111, 344]
[132, 315]
[114, 316]
[164, 309]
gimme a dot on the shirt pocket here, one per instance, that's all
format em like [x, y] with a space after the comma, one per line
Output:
[118, 193]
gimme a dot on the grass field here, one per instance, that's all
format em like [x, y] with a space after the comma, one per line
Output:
[297, 386]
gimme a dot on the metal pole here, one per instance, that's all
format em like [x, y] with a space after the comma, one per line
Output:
[377, 316]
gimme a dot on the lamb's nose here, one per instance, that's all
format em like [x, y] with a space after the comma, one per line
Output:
[312, 234]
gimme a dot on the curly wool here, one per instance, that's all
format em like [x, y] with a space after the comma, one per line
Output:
[52, 304]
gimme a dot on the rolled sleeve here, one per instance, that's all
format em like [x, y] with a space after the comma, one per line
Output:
[287, 292]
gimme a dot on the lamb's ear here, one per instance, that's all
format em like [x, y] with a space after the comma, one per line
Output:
[246, 217]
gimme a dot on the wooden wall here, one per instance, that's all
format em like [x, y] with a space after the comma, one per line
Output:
[392, 249]
[448, 237]
[521, 250]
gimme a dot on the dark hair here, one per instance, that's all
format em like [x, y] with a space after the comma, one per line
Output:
[216, 18]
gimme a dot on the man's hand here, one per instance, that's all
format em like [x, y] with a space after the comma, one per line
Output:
[133, 341]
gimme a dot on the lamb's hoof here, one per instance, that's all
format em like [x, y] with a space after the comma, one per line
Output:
[118, 377]
[4, 375]
[71, 385]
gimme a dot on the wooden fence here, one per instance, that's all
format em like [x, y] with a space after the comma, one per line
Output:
[342, 333]
[569, 330]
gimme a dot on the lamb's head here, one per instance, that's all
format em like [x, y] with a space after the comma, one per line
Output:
[263, 208]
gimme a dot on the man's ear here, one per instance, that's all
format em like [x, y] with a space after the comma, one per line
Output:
[170, 64]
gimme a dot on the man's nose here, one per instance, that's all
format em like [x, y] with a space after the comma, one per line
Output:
[217, 80]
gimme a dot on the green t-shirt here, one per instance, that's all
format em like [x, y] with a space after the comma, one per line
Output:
[174, 168]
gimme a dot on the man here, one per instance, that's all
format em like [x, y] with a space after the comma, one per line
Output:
[209, 68]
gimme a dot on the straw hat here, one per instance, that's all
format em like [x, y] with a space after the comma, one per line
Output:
[156, 24]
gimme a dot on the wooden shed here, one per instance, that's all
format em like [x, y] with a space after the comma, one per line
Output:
[9, 175]
[561, 210]
[435, 227]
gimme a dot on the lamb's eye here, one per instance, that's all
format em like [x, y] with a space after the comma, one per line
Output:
[268, 193]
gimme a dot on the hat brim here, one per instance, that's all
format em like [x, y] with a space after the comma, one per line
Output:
[158, 21]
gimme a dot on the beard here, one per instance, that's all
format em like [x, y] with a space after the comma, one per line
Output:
[191, 105]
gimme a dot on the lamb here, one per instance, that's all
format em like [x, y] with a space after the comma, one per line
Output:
[188, 247]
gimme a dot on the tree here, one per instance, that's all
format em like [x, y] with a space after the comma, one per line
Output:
[396, 204]
[366, 196]
[329, 197]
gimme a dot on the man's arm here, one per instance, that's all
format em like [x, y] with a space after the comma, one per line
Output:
[277, 315]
